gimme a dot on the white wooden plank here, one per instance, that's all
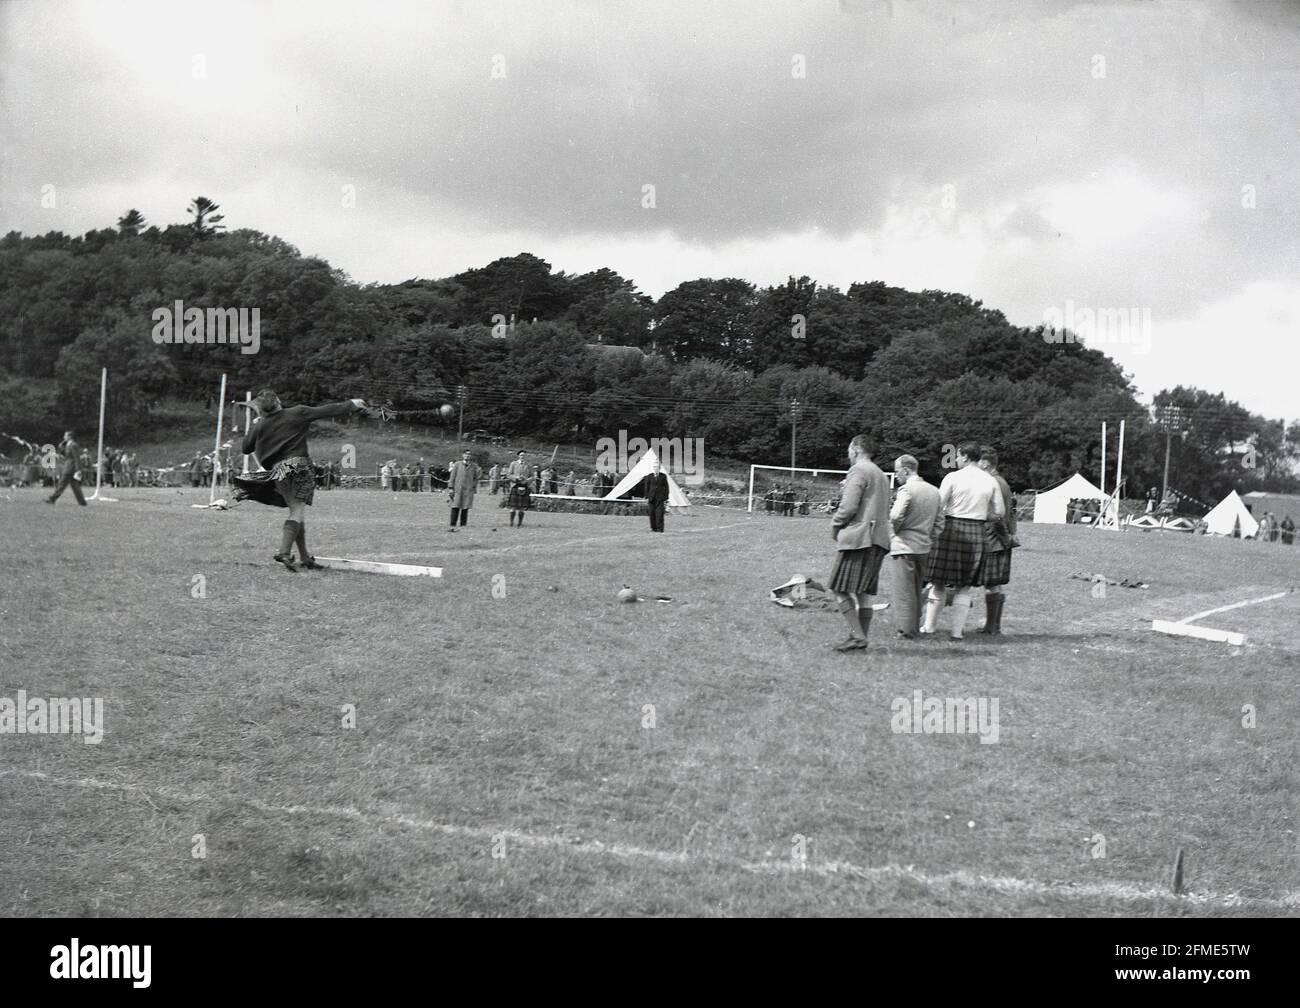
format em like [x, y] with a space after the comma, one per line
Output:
[1201, 633]
[377, 567]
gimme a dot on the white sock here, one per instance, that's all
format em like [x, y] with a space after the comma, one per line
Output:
[960, 610]
[932, 607]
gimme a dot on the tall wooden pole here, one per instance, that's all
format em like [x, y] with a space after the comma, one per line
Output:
[216, 448]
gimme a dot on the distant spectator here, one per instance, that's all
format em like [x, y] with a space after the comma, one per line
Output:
[1288, 531]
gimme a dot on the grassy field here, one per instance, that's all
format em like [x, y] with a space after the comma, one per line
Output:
[523, 744]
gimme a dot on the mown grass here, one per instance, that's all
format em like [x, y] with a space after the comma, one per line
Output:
[514, 725]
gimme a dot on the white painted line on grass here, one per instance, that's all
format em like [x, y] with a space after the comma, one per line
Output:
[1126, 891]
[1235, 605]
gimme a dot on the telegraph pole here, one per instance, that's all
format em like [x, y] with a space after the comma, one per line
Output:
[794, 431]
[1171, 418]
[460, 431]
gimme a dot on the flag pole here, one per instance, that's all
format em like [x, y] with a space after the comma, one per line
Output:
[1103, 456]
[248, 422]
[216, 447]
[99, 455]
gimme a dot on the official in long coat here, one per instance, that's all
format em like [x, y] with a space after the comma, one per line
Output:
[461, 486]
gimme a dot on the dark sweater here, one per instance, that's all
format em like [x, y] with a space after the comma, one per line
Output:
[283, 434]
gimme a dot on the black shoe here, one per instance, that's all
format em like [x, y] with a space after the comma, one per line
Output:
[309, 563]
[287, 560]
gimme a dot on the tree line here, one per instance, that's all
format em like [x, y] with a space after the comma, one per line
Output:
[575, 357]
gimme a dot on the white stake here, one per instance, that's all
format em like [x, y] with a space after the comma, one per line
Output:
[1103, 456]
[216, 448]
[99, 456]
[248, 422]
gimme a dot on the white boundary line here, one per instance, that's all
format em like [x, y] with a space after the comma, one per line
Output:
[1235, 605]
[961, 879]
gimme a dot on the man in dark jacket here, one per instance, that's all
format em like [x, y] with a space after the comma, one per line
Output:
[278, 437]
[70, 453]
[657, 496]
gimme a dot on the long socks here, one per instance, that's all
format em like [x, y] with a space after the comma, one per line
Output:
[288, 536]
[960, 610]
[864, 618]
[850, 613]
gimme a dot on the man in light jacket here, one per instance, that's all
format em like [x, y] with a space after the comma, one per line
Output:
[968, 499]
[860, 528]
[913, 517]
[461, 486]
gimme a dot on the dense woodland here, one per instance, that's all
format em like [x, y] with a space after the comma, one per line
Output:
[589, 355]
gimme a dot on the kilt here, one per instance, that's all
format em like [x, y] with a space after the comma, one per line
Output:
[519, 499]
[292, 479]
[955, 558]
[857, 571]
[996, 568]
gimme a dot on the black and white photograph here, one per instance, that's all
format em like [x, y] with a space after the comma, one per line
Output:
[690, 459]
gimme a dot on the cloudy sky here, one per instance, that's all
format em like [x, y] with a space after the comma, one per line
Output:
[1039, 155]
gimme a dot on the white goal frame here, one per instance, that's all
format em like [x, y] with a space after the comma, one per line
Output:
[787, 469]
[799, 469]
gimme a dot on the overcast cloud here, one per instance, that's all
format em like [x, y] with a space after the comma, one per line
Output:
[974, 147]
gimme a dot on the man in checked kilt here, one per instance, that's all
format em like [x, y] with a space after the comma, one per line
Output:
[861, 530]
[278, 437]
[968, 498]
[999, 541]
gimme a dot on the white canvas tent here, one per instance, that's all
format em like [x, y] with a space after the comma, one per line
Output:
[1050, 506]
[644, 467]
[1229, 514]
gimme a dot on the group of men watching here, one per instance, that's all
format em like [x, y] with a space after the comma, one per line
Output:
[1271, 530]
[786, 500]
[415, 477]
[943, 543]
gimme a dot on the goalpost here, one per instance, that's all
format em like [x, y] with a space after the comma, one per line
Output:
[99, 457]
[813, 475]
[829, 481]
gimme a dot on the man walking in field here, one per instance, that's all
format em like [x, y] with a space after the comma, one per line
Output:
[968, 498]
[69, 454]
[278, 437]
[860, 529]
[999, 540]
[461, 487]
[913, 517]
[657, 496]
